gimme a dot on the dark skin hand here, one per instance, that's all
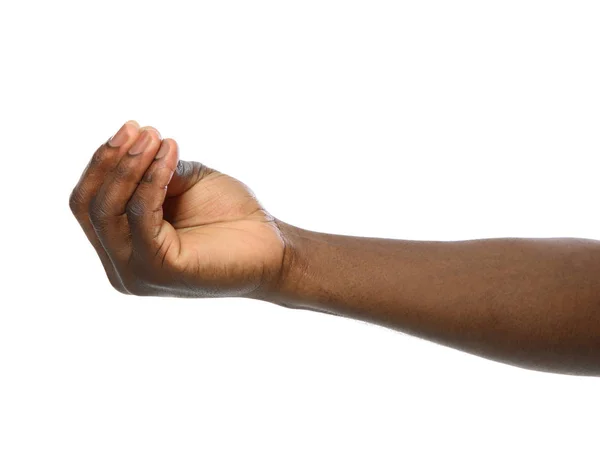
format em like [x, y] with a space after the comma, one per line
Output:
[205, 235]
[164, 227]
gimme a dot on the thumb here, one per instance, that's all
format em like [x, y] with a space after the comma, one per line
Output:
[186, 175]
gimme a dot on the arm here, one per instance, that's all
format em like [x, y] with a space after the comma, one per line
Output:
[533, 303]
[165, 227]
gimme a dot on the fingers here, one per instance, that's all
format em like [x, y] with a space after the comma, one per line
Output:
[152, 237]
[102, 162]
[108, 207]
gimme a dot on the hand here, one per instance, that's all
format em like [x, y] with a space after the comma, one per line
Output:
[166, 227]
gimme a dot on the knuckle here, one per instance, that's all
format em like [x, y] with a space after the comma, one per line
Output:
[135, 208]
[96, 211]
[139, 279]
[117, 285]
[137, 288]
[101, 158]
[76, 201]
[149, 175]
[129, 286]
[124, 172]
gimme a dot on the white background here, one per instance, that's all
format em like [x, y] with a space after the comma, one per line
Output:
[429, 120]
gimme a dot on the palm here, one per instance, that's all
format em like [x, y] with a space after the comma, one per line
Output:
[226, 238]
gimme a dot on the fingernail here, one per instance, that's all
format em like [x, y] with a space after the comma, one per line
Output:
[120, 137]
[142, 143]
[164, 149]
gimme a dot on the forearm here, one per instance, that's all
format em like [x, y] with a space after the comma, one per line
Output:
[534, 303]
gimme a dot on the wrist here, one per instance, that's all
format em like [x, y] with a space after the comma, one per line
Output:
[286, 288]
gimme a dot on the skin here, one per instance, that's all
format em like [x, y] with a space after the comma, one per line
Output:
[165, 227]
